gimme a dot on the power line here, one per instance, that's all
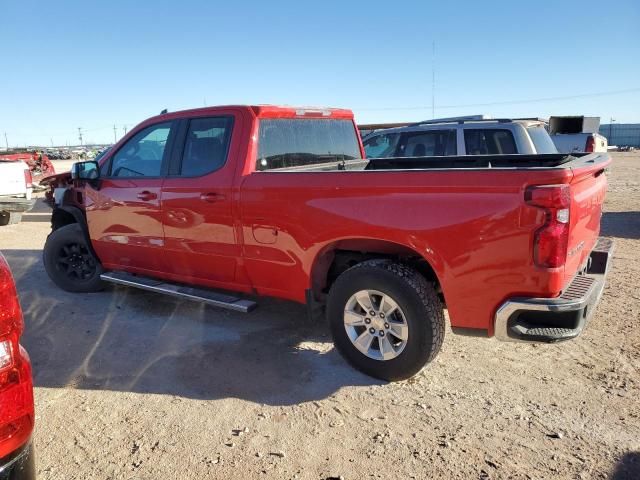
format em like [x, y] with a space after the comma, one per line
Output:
[507, 102]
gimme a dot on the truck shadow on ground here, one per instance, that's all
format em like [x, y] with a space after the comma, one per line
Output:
[125, 339]
[628, 467]
[621, 224]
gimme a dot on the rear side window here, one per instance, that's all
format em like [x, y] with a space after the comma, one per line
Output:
[381, 146]
[435, 143]
[489, 141]
[541, 140]
[206, 145]
[286, 143]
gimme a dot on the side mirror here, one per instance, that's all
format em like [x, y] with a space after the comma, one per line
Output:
[85, 171]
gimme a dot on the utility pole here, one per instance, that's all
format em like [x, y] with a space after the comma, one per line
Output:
[6, 141]
[51, 142]
[124, 127]
[115, 135]
[80, 135]
[611, 120]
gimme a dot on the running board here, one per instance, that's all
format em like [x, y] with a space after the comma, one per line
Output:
[175, 290]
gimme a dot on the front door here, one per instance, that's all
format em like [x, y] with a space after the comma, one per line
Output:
[197, 203]
[123, 212]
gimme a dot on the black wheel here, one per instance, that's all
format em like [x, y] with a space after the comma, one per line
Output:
[10, 218]
[386, 319]
[69, 262]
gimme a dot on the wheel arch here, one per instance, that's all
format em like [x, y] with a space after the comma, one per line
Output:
[66, 215]
[336, 257]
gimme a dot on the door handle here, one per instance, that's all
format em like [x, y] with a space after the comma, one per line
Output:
[146, 195]
[211, 197]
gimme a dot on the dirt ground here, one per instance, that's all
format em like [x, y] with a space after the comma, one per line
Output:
[132, 385]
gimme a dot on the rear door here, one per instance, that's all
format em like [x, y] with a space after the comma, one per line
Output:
[123, 212]
[197, 201]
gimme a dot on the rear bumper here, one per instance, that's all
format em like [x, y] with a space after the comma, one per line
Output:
[16, 204]
[549, 320]
[20, 465]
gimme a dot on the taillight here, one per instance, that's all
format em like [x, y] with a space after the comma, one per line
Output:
[16, 386]
[551, 240]
[28, 179]
[590, 145]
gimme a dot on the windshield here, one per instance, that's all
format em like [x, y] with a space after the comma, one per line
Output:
[541, 140]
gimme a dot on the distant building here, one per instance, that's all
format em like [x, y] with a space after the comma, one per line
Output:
[622, 134]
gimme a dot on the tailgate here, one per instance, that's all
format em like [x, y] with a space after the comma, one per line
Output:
[588, 188]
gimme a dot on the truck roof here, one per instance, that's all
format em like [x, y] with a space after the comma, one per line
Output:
[262, 111]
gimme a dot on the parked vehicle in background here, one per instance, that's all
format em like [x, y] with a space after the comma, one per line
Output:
[38, 162]
[15, 191]
[279, 202]
[577, 134]
[16, 387]
[460, 136]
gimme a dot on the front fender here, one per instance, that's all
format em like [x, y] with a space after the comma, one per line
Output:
[67, 214]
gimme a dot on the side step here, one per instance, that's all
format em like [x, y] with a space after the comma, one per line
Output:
[182, 291]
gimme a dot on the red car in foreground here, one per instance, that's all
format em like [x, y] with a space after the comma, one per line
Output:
[281, 201]
[16, 387]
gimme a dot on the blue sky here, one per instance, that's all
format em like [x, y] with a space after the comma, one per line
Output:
[69, 64]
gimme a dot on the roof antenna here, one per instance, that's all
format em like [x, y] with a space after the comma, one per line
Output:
[164, 111]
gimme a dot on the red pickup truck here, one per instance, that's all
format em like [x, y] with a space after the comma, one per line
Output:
[281, 202]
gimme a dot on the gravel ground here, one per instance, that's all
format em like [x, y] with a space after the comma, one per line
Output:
[134, 385]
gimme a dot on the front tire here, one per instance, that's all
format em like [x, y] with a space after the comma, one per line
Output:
[386, 319]
[69, 261]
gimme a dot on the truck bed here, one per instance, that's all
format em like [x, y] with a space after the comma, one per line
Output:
[550, 160]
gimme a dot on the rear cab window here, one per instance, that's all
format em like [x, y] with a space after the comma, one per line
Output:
[489, 141]
[289, 143]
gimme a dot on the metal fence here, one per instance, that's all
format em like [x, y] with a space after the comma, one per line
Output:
[622, 134]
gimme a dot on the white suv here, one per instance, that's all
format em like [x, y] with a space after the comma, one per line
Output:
[447, 137]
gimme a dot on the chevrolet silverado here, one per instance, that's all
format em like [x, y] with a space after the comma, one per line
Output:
[281, 202]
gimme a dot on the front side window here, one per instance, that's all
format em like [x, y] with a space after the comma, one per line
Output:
[381, 146]
[142, 155]
[435, 143]
[206, 145]
[287, 143]
[489, 141]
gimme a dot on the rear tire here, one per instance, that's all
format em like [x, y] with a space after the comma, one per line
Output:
[10, 218]
[69, 261]
[400, 330]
